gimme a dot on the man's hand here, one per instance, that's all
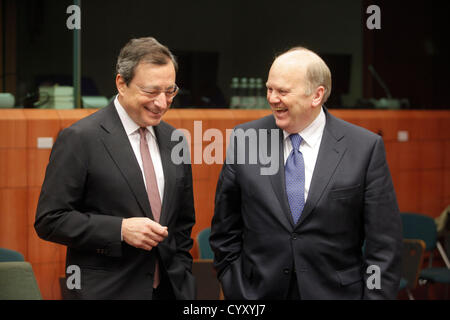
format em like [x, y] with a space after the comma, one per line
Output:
[143, 233]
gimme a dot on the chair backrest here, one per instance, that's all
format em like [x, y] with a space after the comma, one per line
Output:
[8, 255]
[17, 282]
[412, 259]
[203, 244]
[419, 226]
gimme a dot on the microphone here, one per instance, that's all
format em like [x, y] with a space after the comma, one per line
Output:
[380, 82]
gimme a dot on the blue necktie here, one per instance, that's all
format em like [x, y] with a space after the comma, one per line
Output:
[295, 178]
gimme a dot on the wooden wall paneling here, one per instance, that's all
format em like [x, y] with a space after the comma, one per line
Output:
[446, 153]
[13, 128]
[47, 280]
[446, 192]
[41, 123]
[36, 165]
[369, 121]
[32, 200]
[374, 125]
[443, 123]
[203, 210]
[391, 155]
[13, 181]
[222, 122]
[404, 155]
[431, 154]
[200, 171]
[419, 124]
[186, 121]
[241, 116]
[407, 188]
[69, 117]
[212, 182]
[427, 128]
[446, 179]
[12, 184]
[390, 127]
[44, 256]
[203, 198]
[413, 126]
[13, 171]
[420, 168]
[172, 117]
[431, 192]
[13, 219]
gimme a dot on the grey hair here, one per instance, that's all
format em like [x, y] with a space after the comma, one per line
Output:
[317, 73]
[146, 50]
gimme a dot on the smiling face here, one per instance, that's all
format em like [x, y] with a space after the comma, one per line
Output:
[145, 108]
[293, 106]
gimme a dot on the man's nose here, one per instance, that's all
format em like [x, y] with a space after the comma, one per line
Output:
[161, 100]
[272, 97]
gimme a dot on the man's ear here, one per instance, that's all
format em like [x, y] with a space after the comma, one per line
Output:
[318, 96]
[120, 84]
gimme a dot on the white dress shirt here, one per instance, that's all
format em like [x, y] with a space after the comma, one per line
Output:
[132, 131]
[309, 147]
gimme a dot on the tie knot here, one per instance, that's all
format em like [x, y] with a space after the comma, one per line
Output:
[142, 131]
[295, 140]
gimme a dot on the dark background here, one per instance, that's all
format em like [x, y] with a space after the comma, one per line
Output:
[217, 40]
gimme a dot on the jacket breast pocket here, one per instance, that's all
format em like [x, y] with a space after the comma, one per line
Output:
[347, 192]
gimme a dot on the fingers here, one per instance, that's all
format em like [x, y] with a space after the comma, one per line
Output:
[156, 235]
[143, 233]
[146, 244]
[159, 230]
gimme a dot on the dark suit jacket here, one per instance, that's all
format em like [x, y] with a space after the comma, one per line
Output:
[351, 200]
[92, 182]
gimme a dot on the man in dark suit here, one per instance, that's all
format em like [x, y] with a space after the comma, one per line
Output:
[113, 195]
[326, 225]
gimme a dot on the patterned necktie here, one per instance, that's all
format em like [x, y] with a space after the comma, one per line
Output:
[152, 188]
[295, 178]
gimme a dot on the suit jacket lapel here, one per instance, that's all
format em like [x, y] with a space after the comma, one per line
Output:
[330, 154]
[169, 169]
[119, 148]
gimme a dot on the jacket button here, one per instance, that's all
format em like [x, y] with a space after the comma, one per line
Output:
[286, 271]
[294, 236]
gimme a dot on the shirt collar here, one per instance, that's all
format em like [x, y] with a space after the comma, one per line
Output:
[312, 133]
[129, 125]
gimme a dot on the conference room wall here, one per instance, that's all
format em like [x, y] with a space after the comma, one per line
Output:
[420, 169]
